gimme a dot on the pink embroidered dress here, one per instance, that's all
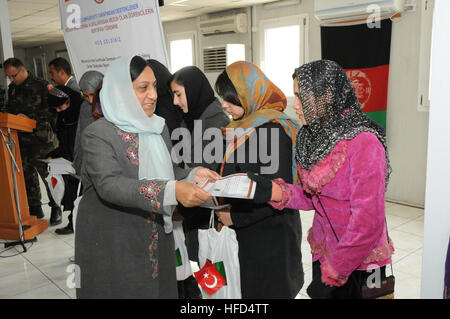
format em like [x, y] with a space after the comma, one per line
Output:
[350, 181]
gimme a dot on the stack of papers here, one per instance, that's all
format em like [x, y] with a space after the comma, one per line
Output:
[234, 186]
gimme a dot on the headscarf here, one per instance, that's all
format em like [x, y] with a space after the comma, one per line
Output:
[262, 101]
[58, 96]
[96, 105]
[121, 107]
[332, 113]
[162, 75]
[164, 106]
[90, 80]
[199, 93]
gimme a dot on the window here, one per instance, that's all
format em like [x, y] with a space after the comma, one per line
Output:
[283, 48]
[235, 52]
[282, 55]
[181, 50]
[180, 54]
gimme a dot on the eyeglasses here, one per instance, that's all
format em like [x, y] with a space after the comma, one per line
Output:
[13, 77]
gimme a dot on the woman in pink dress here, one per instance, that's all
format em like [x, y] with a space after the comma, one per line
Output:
[344, 169]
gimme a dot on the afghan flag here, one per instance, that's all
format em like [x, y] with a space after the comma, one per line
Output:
[364, 54]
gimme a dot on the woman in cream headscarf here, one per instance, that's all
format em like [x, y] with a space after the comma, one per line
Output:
[124, 244]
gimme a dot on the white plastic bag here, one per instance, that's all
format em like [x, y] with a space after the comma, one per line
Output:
[221, 248]
[56, 185]
[184, 269]
[75, 206]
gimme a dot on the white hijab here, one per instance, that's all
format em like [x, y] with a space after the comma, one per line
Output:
[121, 107]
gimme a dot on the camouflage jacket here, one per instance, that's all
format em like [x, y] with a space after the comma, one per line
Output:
[30, 98]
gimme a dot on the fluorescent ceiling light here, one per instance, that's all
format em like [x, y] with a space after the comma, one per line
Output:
[179, 3]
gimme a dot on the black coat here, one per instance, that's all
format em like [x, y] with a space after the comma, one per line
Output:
[66, 130]
[269, 240]
[212, 117]
[197, 217]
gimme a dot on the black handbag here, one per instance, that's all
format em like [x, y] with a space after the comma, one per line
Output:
[387, 286]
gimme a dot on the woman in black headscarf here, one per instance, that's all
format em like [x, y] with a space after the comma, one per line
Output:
[193, 94]
[164, 105]
[66, 102]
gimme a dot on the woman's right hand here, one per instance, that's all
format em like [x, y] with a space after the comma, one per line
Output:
[190, 195]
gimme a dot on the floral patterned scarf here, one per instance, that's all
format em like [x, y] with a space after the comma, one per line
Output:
[262, 101]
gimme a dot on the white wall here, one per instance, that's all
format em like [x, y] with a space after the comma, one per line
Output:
[6, 48]
[437, 204]
[305, 7]
[191, 25]
[407, 128]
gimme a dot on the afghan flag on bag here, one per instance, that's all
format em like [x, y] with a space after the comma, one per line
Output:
[178, 259]
[364, 54]
[210, 278]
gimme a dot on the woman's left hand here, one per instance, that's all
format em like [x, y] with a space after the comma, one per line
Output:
[205, 173]
[224, 216]
[330, 276]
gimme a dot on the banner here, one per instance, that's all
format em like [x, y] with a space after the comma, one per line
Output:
[97, 32]
[364, 53]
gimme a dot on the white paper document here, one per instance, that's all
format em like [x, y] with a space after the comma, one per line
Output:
[235, 186]
[59, 166]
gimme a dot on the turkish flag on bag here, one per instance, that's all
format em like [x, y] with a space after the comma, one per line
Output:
[56, 186]
[209, 278]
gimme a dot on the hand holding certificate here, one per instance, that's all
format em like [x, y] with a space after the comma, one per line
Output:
[234, 186]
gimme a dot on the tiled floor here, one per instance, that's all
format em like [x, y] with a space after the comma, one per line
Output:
[405, 227]
[44, 270]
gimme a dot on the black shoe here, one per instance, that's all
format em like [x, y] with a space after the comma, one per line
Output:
[56, 216]
[37, 211]
[65, 230]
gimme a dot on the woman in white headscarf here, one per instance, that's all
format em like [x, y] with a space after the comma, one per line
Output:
[124, 246]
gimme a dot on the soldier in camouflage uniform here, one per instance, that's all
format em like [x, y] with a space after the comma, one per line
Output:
[27, 96]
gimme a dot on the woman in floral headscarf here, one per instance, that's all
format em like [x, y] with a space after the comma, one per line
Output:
[269, 242]
[344, 169]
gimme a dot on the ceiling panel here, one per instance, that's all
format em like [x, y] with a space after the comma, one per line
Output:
[31, 18]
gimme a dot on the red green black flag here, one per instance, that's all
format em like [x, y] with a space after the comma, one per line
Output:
[364, 54]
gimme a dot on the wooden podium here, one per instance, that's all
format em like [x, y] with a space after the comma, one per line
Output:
[9, 221]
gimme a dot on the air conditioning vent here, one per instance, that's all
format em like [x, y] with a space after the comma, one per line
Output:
[236, 23]
[214, 59]
[340, 11]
